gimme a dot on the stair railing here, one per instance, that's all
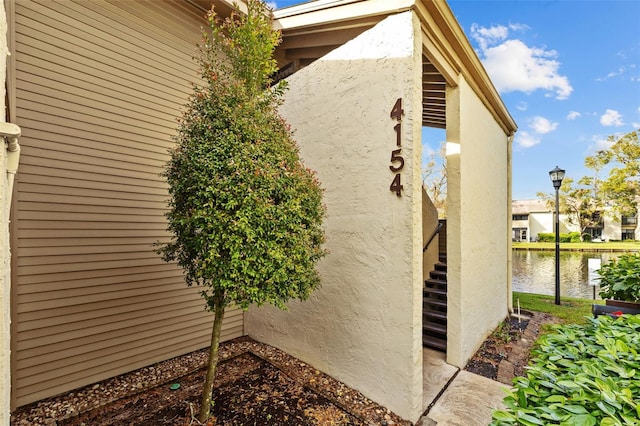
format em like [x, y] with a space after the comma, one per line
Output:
[435, 232]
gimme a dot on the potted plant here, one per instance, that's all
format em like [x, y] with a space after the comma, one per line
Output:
[620, 281]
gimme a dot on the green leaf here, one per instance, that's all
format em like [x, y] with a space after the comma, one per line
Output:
[529, 420]
[556, 398]
[575, 409]
[568, 384]
[503, 416]
[580, 420]
[606, 408]
[609, 421]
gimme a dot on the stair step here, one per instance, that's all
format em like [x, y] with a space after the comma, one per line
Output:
[441, 266]
[434, 291]
[434, 303]
[433, 314]
[432, 282]
[438, 275]
[434, 343]
[435, 328]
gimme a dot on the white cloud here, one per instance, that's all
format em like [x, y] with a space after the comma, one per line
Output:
[600, 143]
[635, 125]
[514, 66]
[272, 5]
[526, 140]
[622, 70]
[488, 36]
[522, 106]
[541, 125]
[611, 118]
[619, 71]
[573, 115]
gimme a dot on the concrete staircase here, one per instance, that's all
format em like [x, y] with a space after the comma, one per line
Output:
[434, 307]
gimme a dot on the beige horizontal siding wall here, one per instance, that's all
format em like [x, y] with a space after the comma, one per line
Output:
[99, 87]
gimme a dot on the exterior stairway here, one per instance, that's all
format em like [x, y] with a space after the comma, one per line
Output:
[434, 307]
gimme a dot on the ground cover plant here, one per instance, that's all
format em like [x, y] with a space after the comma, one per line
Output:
[580, 375]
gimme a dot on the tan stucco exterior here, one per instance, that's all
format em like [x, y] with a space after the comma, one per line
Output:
[364, 325]
[477, 222]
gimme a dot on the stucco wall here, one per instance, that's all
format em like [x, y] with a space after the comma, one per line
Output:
[612, 229]
[5, 277]
[364, 325]
[478, 233]
[540, 223]
[429, 224]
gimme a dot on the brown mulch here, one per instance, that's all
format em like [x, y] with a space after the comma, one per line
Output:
[256, 384]
[505, 353]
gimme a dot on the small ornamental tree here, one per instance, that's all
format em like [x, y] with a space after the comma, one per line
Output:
[245, 214]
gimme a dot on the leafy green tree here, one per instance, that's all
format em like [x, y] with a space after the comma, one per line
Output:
[581, 204]
[245, 214]
[622, 186]
[586, 202]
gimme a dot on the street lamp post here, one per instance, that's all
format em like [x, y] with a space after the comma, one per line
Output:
[556, 176]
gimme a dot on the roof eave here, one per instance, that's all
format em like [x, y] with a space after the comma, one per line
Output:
[468, 62]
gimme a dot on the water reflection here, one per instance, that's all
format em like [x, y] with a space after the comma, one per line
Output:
[534, 272]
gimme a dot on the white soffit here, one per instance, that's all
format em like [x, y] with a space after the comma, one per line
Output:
[323, 12]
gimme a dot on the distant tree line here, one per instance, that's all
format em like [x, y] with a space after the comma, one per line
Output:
[588, 200]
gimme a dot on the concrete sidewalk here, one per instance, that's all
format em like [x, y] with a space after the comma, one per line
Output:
[454, 397]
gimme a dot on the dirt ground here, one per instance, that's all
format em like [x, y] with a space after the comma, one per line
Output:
[506, 352]
[496, 348]
[256, 384]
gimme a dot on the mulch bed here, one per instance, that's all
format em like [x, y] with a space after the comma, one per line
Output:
[256, 384]
[249, 390]
[505, 353]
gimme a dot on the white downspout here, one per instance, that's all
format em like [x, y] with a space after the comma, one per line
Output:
[11, 132]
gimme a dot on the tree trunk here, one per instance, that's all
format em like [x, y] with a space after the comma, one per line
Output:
[207, 391]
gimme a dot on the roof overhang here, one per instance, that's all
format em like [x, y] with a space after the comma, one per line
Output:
[311, 30]
[449, 49]
[223, 8]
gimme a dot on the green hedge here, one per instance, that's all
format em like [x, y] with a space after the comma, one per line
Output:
[550, 237]
[580, 375]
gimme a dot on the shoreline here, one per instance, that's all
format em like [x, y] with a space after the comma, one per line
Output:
[594, 250]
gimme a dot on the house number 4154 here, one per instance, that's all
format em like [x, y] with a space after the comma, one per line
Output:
[397, 162]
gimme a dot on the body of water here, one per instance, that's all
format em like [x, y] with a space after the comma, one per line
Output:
[534, 272]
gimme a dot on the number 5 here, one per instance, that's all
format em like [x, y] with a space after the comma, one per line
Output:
[395, 156]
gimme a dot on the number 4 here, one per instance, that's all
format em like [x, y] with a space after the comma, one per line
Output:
[396, 186]
[397, 112]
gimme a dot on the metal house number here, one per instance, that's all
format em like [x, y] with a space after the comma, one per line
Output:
[397, 162]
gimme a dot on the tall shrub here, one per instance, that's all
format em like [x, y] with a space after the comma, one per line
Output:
[244, 212]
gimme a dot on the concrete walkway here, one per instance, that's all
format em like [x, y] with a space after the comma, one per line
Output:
[455, 397]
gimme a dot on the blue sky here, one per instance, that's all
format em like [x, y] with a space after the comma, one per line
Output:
[567, 70]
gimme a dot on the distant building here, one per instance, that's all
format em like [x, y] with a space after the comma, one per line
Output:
[532, 217]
